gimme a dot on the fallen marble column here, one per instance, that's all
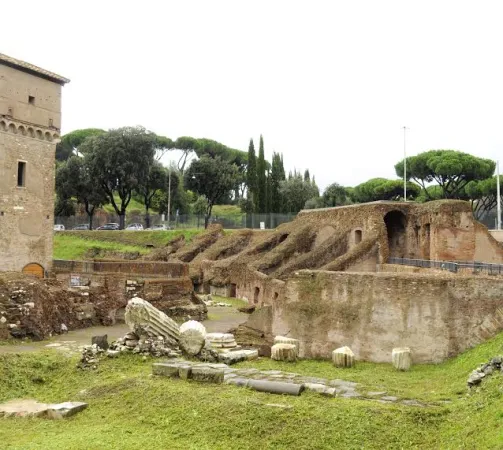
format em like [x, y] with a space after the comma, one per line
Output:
[192, 337]
[144, 319]
[284, 352]
[401, 358]
[236, 356]
[343, 357]
[275, 387]
[287, 340]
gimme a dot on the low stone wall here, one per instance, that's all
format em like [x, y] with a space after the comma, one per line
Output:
[436, 316]
[148, 268]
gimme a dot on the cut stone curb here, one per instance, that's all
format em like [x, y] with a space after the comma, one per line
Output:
[32, 408]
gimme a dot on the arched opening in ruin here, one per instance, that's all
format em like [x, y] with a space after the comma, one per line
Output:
[358, 236]
[395, 226]
[256, 293]
[34, 269]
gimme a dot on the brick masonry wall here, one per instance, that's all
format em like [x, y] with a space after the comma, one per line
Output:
[437, 316]
[26, 213]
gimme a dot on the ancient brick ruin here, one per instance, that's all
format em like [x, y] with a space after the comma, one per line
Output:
[325, 279]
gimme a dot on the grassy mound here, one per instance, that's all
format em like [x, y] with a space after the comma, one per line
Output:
[129, 409]
[75, 244]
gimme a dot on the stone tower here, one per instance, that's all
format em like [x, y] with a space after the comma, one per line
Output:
[30, 122]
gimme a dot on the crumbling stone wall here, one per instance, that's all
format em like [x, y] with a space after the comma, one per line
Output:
[437, 316]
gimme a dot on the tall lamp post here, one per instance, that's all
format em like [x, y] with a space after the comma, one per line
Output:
[404, 165]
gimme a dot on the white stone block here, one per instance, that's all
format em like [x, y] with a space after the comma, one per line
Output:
[401, 358]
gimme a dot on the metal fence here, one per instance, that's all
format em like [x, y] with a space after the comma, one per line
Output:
[452, 266]
[236, 221]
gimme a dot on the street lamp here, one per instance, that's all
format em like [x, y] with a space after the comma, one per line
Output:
[404, 166]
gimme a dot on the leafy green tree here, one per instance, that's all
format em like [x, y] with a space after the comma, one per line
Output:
[251, 175]
[119, 162]
[74, 180]
[157, 180]
[314, 203]
[306, 175]
[483, 195]
[261, 178]
[296, 192]
[452, 170]
[383, 189]
[334, 195]
[211, 177]
[70, 142]
[64, 207]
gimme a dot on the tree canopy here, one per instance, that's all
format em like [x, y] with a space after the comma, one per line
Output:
[70, 142]
[120, 162]
[451, 170]
[296, 192]
[75, 180]
[383, 189]
[211, 177]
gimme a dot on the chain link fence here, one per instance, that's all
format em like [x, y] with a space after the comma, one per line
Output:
[236, 221]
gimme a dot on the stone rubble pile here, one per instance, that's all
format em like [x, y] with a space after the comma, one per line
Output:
[154, 333]
[90, 357]
[493, 365]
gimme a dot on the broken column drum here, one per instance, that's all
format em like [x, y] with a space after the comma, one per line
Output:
[284, 352]
[287, 340]
[146, 320]
[192, 336]
[343, 357]
[401, 358]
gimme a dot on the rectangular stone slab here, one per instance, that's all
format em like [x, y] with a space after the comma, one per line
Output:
[66, 409]
[208, 374]
[166, 369]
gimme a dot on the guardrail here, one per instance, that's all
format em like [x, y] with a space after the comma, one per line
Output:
[451, 266]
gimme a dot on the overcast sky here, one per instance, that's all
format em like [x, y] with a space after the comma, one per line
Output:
[330, 84]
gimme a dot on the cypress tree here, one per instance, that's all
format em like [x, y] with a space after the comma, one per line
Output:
[277, 175]
[261, 178]
[251, 174]
[306, 176]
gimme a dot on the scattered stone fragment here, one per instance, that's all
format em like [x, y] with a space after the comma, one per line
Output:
[113, 353]
[145, 320]
[192, 337]
[320, 389]
[90, 357]
[401, 358]
[376, 394]
[343, 357]
[32, 408]
[287, 340]
[220, 340]
[276, 387]
[236, 356]
[284, 352]
[100, 341]
[66, 409]
[207, 374]
[166, 369]
[475, 378]
[185, 372]
[389, 398]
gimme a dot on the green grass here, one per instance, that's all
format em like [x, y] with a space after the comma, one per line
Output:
[235, 302]
[74, 244]
[75, 247]
[226, 210]
[130, 409]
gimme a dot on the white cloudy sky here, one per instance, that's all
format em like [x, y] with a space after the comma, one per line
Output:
[330, 84]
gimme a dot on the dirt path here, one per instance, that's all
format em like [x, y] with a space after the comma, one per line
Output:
[220, 319]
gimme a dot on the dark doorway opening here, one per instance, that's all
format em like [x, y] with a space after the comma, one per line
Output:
[426, 243]
[358, 236]
[255, 295]
[395, 225]
[232, 291]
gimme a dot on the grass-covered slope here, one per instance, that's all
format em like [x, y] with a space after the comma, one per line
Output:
[129, 409]
[75, 244]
